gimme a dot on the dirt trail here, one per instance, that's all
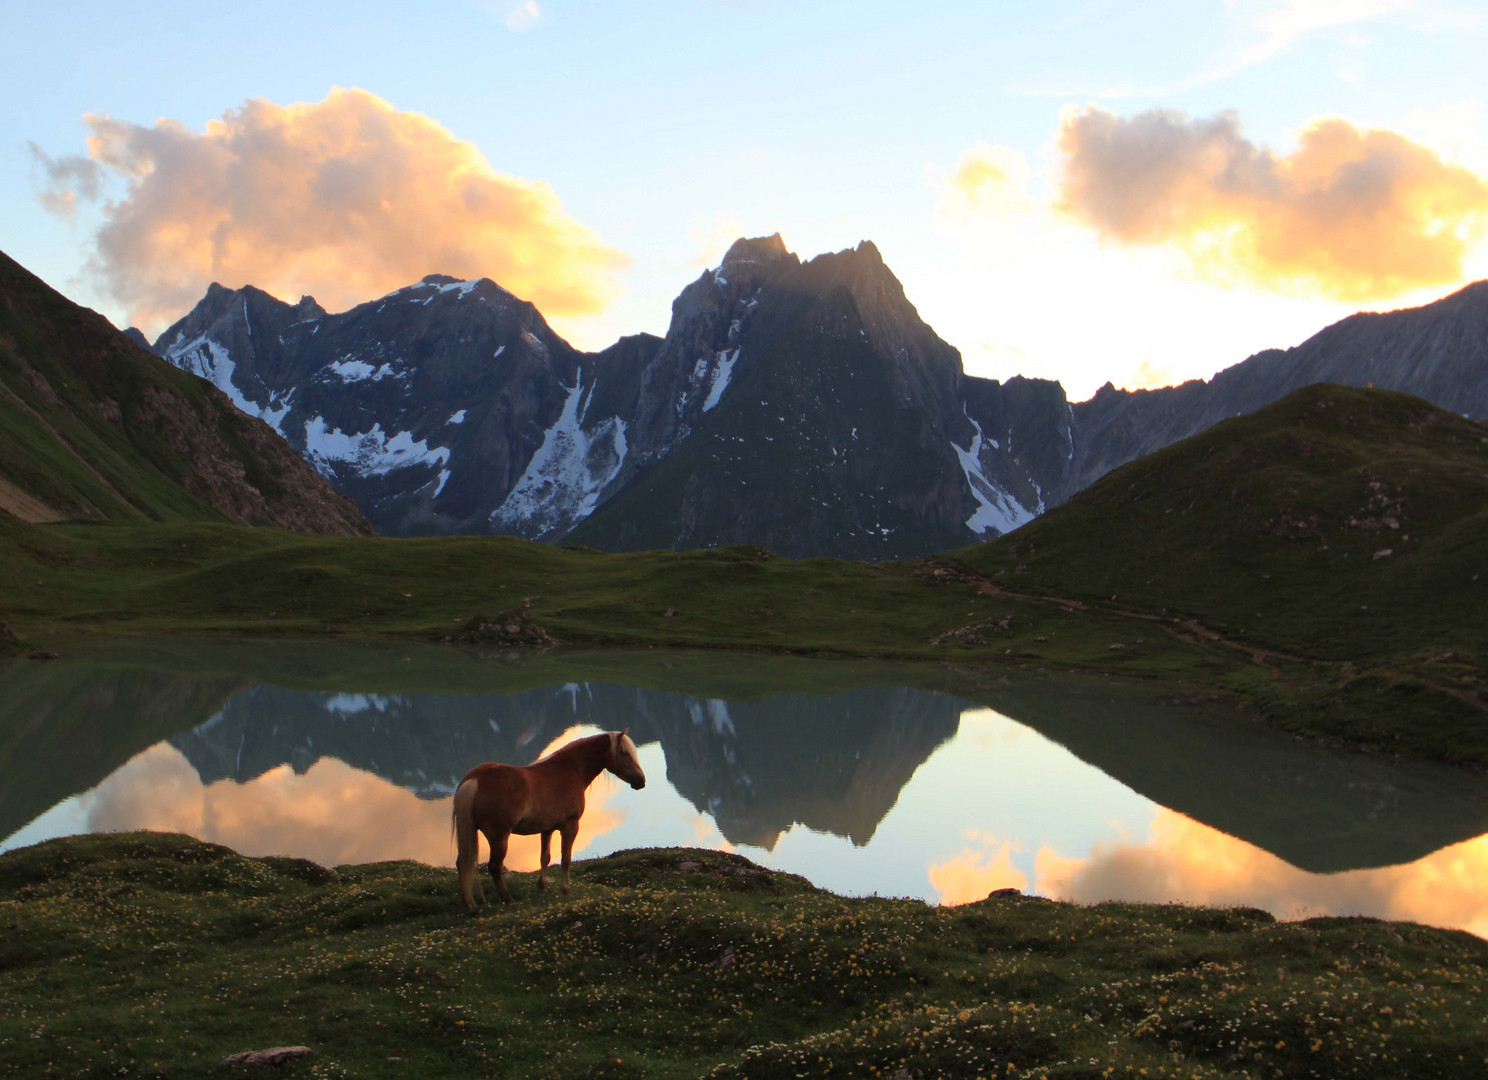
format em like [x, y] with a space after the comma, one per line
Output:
[17, 503]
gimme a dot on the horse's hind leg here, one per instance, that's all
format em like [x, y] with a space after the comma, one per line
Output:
[547, 857]
[498, 859]
[570, 830]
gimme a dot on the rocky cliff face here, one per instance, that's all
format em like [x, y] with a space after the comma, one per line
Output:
[427, 406]
[802, 406]
[807, 407]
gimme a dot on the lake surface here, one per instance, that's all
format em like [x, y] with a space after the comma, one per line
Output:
[1087, 790]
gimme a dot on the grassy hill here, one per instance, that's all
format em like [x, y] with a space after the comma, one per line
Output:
[1337, 537]
[162, 955]
[93, 427]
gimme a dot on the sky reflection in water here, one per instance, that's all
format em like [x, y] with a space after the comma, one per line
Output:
[997, 805]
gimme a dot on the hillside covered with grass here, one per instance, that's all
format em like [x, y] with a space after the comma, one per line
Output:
[95, 428]
[164, 955]
[1337, 537]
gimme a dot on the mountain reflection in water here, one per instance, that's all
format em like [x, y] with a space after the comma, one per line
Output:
[896, 791]
[833, 764]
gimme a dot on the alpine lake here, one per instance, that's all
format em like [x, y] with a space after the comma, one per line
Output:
[909, 780]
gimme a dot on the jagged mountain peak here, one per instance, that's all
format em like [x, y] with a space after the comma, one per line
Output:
[307, 308]
[225, 312]
[446, 285]
[758, 249]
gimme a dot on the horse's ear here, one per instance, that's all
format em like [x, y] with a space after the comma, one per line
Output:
[624, 732]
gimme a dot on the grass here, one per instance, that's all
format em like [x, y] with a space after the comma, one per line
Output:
[161, 955]
[226, 580]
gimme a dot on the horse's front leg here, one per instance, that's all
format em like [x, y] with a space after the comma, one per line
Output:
[498, 844]
[547, 857]
[570, 829]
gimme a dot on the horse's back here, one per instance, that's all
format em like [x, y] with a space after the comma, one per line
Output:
[502, 794]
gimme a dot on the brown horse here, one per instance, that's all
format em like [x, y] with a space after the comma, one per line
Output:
[544, 797]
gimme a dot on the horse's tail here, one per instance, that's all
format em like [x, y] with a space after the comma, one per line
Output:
[467, 846]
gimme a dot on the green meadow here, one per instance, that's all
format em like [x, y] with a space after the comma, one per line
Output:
[153, 955]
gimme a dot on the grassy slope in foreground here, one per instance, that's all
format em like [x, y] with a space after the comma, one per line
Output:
[164, 954]
[1337, 538]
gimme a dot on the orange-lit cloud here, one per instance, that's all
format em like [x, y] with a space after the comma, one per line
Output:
[1149, 374]
[1352, 214]
[345, 199]
[1187, 860]
[976, 871]
[988, 177]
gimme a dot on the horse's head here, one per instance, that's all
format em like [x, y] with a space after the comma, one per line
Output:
[623, 761]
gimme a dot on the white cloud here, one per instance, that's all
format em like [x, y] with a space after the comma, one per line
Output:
[522, 16]
[1279, 23]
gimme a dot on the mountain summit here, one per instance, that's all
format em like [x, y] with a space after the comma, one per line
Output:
[807, 407]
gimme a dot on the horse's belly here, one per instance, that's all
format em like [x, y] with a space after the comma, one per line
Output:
[531, 826]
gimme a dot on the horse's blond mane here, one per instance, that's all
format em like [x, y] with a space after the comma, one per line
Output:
[570, 745]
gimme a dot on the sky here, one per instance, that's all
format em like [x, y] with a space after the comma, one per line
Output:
[1085, 190]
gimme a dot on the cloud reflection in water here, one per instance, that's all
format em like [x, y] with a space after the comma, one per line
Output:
[323, 814]
[1184, 858]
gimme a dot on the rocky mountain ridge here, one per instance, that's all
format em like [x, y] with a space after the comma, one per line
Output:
[802, 406]
[1438, 352]
[450, 406]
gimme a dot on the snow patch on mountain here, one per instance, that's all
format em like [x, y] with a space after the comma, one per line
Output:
[213, 361]
[354, 704]
[369, 453]
[351, 371]
[996, 509]
[721, 375]
[563, 481]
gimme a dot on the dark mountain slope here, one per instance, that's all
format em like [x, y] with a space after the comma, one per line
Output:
[822, 416]
[1438, 352]
[805, 406]
[92, 426]
[426, 405]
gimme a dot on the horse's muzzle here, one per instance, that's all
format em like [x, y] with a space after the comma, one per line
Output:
[638, 784]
